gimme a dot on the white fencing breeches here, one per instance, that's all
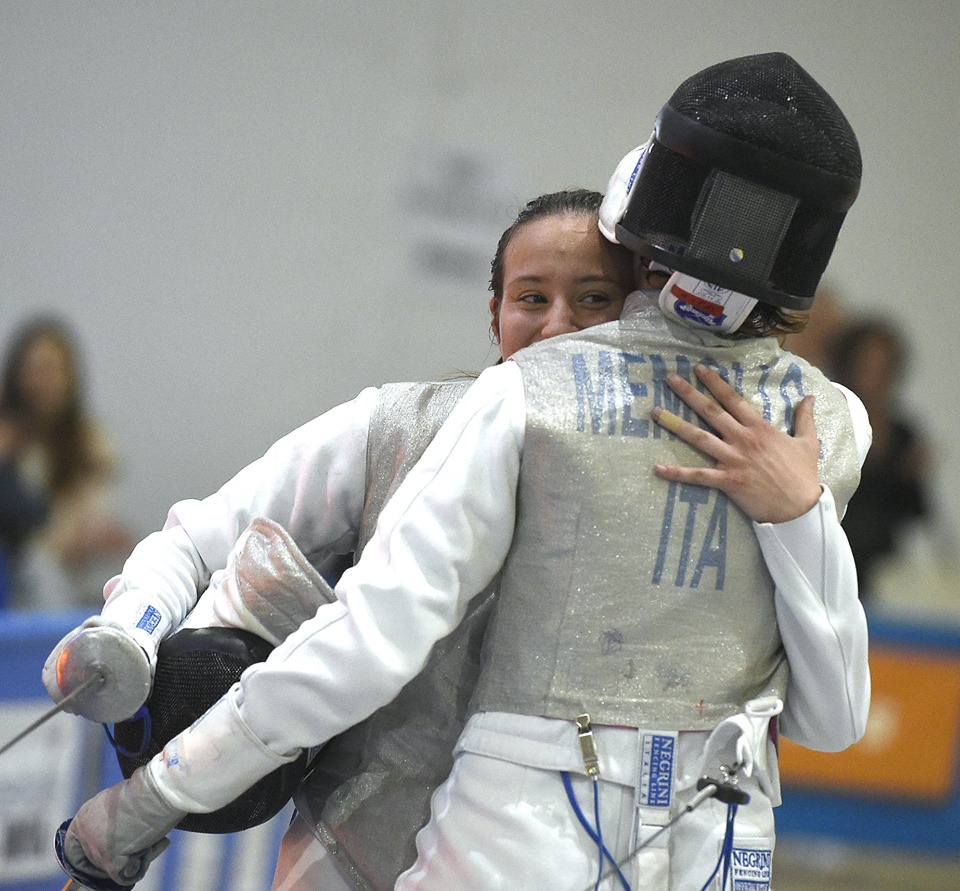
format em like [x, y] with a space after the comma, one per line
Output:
[498, 825]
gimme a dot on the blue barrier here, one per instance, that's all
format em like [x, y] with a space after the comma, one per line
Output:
[4, 579]
[47, 775]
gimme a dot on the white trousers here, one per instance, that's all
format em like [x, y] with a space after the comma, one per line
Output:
[498, 825]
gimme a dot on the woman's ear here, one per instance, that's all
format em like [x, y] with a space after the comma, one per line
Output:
[495, 319]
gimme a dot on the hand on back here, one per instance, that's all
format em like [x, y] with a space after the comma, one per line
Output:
[769, 474]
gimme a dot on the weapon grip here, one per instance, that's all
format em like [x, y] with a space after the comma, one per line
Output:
[82, 879]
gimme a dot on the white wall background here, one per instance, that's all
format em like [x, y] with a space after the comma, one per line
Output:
[236, 204]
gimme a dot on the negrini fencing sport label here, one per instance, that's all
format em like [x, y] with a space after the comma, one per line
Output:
[657, 754]
[751, 868]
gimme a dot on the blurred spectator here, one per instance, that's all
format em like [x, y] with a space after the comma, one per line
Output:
[56, 469]
[870, 358]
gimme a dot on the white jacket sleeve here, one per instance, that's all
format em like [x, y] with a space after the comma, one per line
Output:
[821, 619]
[311, 482]
[823, 627]
[439, 541]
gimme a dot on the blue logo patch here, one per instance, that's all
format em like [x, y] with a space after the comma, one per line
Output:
[752, 869]
[149, 620]
[656, 784]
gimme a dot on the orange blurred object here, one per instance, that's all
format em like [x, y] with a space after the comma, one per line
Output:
[910, 749]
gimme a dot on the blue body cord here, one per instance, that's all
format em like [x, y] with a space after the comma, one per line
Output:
[594, 834]
[142, 714]
[726, 851]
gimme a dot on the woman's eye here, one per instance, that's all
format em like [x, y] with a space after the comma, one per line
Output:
[533, 298]
[596, 298]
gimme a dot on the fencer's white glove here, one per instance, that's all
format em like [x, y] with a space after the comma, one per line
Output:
[742, 739]
[120, 831]
[205, 767]
[99, 648]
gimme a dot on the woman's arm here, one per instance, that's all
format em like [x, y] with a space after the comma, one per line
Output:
[312, 482]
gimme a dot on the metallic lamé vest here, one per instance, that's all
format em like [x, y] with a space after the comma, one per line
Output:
[369, 790]
[641, 602]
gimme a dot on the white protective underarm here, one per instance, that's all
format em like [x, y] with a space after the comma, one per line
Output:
[268, 587]
[823, 627]
[862, 431]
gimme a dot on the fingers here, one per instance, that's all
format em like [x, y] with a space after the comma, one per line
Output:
[667, 419]
[803, 423]
[700, 439]
[136, 866]
[700, 476]
[734, 421]
[77, 858]
[725, 394]
[725, 411]
[722, 418]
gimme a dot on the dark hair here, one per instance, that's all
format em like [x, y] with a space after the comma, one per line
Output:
[553, 204]
[67, 441]
[767, 320]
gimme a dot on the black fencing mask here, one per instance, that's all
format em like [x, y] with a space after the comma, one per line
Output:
[195, 667]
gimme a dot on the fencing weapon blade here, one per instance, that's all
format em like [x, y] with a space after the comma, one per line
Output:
[93, 681]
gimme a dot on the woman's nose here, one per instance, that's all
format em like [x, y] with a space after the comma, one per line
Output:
[561, 319]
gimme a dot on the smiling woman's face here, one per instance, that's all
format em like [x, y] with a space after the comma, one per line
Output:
[560, 275]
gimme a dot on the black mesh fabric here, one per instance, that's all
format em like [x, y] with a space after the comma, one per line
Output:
[671, 186]
[195, 667]
[765, 102]
[769, 101]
